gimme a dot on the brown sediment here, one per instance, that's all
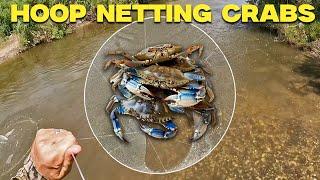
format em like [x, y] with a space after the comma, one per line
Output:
[10, 48]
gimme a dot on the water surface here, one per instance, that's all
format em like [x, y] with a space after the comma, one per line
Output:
[274, 133]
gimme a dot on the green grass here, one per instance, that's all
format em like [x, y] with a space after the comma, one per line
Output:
[33, 33]
[296, 33]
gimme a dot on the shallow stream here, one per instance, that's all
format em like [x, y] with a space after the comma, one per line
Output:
[274, 133]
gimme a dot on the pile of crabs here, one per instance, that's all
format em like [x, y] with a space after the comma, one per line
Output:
[157, 83]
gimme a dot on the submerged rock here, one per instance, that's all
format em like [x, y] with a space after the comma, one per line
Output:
[3, 139]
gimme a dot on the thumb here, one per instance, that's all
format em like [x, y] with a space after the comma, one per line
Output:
[74, 149]
[68, 159]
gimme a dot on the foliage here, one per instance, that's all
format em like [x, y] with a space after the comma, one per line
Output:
[33, 33]
[297, 33]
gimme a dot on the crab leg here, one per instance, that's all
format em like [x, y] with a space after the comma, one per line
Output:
[194, 48]
[116, 123]
[194, 76]
[114, 119]
[201, 123]
[184, 64]
[171, 130]
[210, 93]
[130, 61]
[193, 86]
[204, 65]
[176, 109]
[204, 106]
[120, 63]
[122, 53]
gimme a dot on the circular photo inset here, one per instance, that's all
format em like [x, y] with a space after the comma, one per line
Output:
[159, 97]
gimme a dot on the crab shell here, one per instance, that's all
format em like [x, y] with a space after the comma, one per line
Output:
[162, 77]
[160, 52]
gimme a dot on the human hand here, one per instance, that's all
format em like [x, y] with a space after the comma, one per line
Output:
[51, 152]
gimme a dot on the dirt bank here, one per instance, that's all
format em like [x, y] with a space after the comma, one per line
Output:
[315, 49]
[10, 48]
[13, 45]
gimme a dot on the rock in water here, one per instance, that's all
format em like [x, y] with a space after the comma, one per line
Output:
[3, 139]
[9, 159]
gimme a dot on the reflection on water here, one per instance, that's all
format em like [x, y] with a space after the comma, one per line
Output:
[274, 133]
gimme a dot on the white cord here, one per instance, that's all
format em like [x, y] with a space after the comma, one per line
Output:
[80, 172]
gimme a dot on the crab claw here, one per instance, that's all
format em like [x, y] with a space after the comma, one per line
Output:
[186, 98]
[125, 92]
[170, 132]
[116, 123]
[138, 89]
[201, 123]
[114, 99]
[116, 79]
[122, 87]
[120, 135]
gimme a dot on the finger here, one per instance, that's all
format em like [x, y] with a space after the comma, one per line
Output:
[68, 159]
[74, 149]
[65, 143]
[50, 136]
[44, 134]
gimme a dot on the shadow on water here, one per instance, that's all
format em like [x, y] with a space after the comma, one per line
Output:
[310, 69]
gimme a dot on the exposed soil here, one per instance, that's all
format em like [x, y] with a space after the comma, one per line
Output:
[10, 48]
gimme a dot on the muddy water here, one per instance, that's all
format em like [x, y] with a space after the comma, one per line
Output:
[274, 133]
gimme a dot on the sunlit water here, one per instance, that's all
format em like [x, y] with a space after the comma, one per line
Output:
[274, 133]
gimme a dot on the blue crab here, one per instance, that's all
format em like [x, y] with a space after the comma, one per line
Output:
[158, 81]
[145, 112]
[153, 112]
[134, 81]
[153, 55]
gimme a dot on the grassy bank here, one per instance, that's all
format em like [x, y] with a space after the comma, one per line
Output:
[304, 36]
[33, 33]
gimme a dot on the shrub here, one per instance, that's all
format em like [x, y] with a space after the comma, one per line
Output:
[33, 33]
